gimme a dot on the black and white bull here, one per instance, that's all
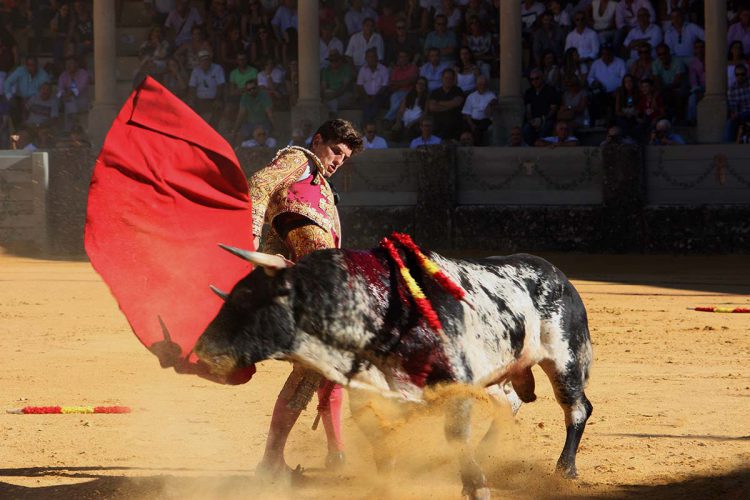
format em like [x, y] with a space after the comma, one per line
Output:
[346, 312]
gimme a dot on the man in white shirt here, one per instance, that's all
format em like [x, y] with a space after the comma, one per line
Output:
[583, 38]
[360, 42]
[644, 33]
[372, 86]
[426, 138]
[433, 69]
[181, 21]
[478, 109]
[354, 19]
[604, 77]
[327, 43]
[680, 36]
[206, 88]
[561, 139]
[371, 140]
[284, 18]
[626, 18]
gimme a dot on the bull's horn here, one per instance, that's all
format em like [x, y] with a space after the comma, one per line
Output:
[264, 260]
[224, 296]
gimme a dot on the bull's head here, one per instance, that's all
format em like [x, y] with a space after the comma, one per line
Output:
[255, 322]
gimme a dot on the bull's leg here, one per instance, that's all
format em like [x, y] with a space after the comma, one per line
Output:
[568, 385]
[458, 431]
[501, 396]
[372, 425]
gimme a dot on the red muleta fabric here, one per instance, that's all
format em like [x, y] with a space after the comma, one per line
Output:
[166, 190]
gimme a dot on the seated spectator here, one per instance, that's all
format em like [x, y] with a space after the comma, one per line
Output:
[83, 30]
[264, 47]
[562, 137]
[671, 79]
[548, 37]
[156, 47]
[738, 103]
[662, 135]
[238, 78]
[23, 140]
[412, 109]
[371, 140]
[697, 76]
[516, 138]
[386, 21]
[403, 40]
[574, 106]
[372, 86]
[602, 13]
[560, 16]
[478, 109]
[176, 79]
[433, 69]
[540, 101]
[467, 71]
[73, 90]
[643, 66]
[550, 70]
[21, 85]
[402, 79]
[645, 33]
[256, 109]
[328, 42]
[650, 109]
[416, 17]
[362, 41]
[475, 10]
[43, 111]
[206, 88]
[616, 136]
[681, 36]
[187, 53]
[573, 66]
[604, 78]
[337, 83]
[445, 105]
[479, 42]
[442, 39]
[626, 104]
[583, 38]
[62, 26]
[284, 18]
[735, 56]
[425, 138]
[626, 18]
[466, 139]
[230, 46]
[354, 19]
[260, 139]
[271, 79]
[531, 11]
[740, 31]
[181, 21]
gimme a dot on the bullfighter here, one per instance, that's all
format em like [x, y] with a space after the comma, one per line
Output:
[293, 196]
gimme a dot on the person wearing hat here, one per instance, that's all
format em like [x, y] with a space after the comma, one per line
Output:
[206, 87]
[337, 82]
[328, 42]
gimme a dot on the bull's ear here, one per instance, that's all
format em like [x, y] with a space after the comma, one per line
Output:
[271, 264]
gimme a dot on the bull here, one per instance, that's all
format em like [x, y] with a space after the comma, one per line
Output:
[346, 314]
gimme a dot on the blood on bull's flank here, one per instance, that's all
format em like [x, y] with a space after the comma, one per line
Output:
[349, 315]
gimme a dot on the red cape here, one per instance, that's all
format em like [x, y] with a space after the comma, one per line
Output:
[166, 190]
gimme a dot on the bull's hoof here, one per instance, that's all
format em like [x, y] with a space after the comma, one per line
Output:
[335, 460]
[476, 494]
[566, 471]
[279, 473]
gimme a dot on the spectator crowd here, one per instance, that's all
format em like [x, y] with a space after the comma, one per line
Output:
[409, 72]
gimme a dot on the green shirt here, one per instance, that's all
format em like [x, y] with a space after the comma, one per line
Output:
[667, 76]
[240, 79]
[256, 106]
[335, 79]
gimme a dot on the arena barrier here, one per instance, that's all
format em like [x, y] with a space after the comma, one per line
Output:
[24, 178]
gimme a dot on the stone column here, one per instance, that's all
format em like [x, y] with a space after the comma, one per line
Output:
[712, 110]
[308, 104]
[510, 104]
[105, 106]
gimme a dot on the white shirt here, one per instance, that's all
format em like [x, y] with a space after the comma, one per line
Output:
[183, 24]
[653, 33]
[609, 76]
[358, 46]
[529, 16]
[476, 104]
[325, 49]
[252, 143]
[377, 143]
[206, 83]
[353, 19]
[682, 46]
[284, 18]
[587, 43]
[603, 22]
[433, 139]
[373, 80]
[627, 15]
[276, 77]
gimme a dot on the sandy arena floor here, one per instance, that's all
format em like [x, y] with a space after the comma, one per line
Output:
[670, 388]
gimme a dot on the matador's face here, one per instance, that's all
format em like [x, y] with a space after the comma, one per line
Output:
[331, 154]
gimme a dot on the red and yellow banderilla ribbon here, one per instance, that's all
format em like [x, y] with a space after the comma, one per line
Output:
[64, 410]
[721, 309]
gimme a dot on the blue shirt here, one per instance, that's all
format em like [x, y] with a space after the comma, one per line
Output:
[22, 84]
[434, 74]
[431, 141]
